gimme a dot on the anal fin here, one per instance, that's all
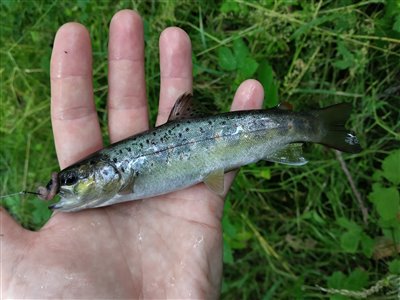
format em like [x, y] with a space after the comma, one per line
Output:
[291, 155]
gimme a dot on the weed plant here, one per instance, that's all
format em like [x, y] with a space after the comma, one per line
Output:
[329, 229]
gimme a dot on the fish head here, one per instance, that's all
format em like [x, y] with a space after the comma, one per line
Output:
[87, 183]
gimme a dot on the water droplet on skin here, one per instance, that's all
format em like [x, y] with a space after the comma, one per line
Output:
[199, 240]
[171, 281]
[69, 276]
[140, 237]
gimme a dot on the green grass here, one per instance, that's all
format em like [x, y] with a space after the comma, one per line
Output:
[288, 232]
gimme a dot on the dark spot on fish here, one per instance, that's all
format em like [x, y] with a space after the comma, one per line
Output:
[105, 173]
[147, 141]
[209, 122]
[177, 125]
[201, 129]
[154, 133]
[169, 131]
[120, 151]
[223, 122]
[187, 129]
[141, 145]
[115, 159]
[152, 164]
[134, 139]
[137, 173]
[123, 169]
[161, 140]
[188, 122]
[180, 134]
[91, 162]
[129, 149]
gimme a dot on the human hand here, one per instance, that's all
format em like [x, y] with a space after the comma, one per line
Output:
[164, 247]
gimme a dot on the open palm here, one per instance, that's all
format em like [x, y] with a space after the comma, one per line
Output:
[164, 247]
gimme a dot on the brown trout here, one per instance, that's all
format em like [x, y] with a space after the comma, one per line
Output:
[192, 148]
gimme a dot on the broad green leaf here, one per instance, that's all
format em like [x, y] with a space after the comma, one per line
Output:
[357, 280]
[336, 280]
[230, 6]
[386, 201]
[367, 245]
[240, 49]
[247, 67]
[349, 225]
[226, 60]
[391, 167]
[394, 266]
[265, 75]
[349, 241]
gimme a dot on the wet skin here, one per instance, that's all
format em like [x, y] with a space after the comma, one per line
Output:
[168, 246]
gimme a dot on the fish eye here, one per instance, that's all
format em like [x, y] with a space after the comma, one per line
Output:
[69, 178]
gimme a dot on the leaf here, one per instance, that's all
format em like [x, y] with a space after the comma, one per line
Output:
[349, 241]
[229, 6]
[247, 67]
[226, 60]
[240, 49]
[348, 58]
[386, 201]
[265, 173]
[336, 280]
[357, 280]
[391, 167]
[265, 75]
[349, 225]
[394, 266]
[367, 245]
[228, 253]
[396, 25]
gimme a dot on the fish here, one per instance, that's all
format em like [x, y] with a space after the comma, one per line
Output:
[194, 147]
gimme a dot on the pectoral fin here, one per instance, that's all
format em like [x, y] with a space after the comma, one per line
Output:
[127, 188]
[215, 181]
[291, 155]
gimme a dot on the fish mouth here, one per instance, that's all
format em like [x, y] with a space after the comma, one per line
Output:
[66, 192]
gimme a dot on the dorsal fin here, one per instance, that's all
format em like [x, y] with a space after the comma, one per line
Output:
[184, 108]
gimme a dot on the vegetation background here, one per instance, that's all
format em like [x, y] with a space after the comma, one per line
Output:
[330, 229]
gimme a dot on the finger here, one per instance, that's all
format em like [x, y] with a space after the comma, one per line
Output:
[249, 95]
[73, 114]
[127, 105]
[175, 67]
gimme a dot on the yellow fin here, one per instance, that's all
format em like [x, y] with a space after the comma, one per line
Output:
[215, 181]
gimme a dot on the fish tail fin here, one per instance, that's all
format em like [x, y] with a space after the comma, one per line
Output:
[333, 119]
